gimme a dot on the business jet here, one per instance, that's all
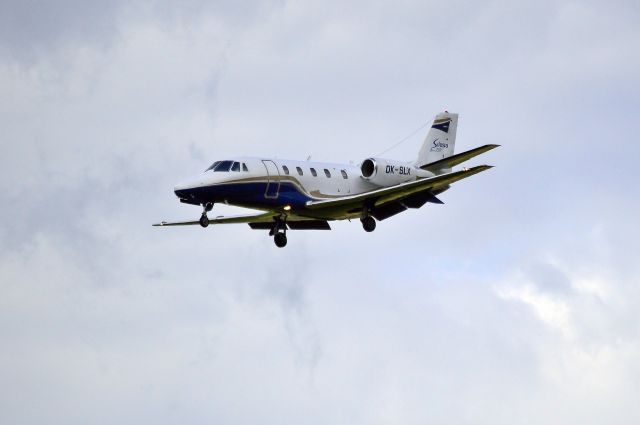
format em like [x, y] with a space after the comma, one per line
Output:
[305, 195]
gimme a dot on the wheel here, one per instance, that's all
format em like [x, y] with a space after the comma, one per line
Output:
[368, 224]
[280, 239]
[204, 220]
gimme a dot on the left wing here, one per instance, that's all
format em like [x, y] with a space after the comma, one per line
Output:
[254, 218]
[260, 221]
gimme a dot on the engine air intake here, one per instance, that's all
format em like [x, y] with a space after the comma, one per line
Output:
[368, 168]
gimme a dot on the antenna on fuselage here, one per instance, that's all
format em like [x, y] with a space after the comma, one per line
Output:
[309, 158]
[413, 133]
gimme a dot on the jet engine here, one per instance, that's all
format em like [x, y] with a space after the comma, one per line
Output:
[387, 172]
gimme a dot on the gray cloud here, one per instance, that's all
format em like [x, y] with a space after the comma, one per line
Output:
[30, 28]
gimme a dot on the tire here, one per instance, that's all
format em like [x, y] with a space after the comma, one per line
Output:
[368, 224]
[280, 240]
[204, 221]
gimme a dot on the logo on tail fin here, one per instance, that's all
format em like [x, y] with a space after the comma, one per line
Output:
[437, 145]
[442, 126]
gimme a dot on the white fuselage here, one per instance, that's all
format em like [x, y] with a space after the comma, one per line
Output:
[265, 183]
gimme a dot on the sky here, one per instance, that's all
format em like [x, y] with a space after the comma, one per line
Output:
[515, 302]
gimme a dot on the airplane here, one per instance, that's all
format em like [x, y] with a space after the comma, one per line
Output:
[305, 195]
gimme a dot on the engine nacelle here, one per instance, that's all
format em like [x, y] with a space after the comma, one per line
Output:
[387, 172]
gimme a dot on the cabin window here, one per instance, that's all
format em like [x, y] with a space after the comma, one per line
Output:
[327, 173]
[299, 170]
[212, 166]
[344, 174]
[223, 166]
[313, 172]
[285, 169]
[244, 167]
[235, 166]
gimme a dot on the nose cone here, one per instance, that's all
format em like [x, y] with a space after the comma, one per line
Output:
[182, 191]
[196, 190]
[186, 190]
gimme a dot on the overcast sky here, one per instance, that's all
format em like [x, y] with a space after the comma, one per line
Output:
[515, 302]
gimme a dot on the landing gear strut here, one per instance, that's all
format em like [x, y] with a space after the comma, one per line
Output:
[368, 223]
[204, 220]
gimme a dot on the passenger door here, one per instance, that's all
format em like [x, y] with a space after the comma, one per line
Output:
[273, 179]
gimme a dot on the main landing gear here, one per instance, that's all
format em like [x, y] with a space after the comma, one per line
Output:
[368, 223]
[204, 220]
[280, 239]
[279, 233]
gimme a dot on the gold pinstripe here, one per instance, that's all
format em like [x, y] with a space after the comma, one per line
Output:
[314, 194]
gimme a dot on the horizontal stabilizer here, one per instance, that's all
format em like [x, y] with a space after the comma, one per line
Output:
[456, 159]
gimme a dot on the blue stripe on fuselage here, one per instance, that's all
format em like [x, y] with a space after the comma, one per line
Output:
[252, 194]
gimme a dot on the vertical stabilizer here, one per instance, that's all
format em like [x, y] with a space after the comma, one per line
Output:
[440, 140]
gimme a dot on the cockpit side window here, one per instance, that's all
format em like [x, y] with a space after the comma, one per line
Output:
[212, 166]
[223, 166]
[235, 166]
[327, 173]
[299, 171]
[285, 169]
[313, 172]
[244, 167]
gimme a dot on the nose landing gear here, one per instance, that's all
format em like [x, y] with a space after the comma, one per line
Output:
[204, 220]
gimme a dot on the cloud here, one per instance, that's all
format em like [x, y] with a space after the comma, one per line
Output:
[588, 341]
[515, 299]
[30, 28]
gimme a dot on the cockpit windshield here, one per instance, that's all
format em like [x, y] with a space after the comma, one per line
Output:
[212, 166]
[223, 166]
[228, 166]
[220, 166]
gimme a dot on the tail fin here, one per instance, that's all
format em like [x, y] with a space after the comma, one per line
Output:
[440, 140]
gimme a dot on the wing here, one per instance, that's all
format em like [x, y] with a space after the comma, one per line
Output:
[260, 221]
[255, 218]
[388, 197]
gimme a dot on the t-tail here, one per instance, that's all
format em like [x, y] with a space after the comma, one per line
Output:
[440, 141]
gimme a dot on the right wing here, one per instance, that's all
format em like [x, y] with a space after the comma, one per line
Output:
[381, 197]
